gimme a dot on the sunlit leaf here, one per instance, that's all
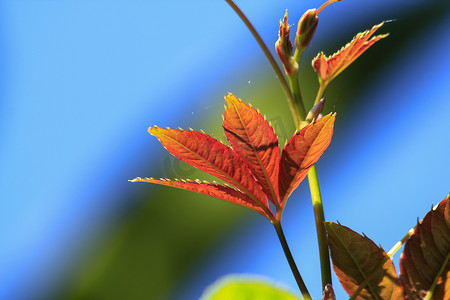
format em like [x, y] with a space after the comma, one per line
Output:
[208, 154]
[329, 67]
[215, 190]
[246, 288]
[253, 164]
[357, 260]
[252, 137]
[301, 153]
[424, 263]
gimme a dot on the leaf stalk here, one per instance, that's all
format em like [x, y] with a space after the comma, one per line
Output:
[290, 259]
[321, 91]
[399, 244]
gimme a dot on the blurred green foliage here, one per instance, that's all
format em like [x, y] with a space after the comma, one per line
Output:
[246, 288]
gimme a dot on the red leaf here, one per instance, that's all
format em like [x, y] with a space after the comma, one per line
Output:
[424, 263]
[329, 67]
[357, 261]
[301, 153]
[208, 154]
[215, 190]
[252, 137]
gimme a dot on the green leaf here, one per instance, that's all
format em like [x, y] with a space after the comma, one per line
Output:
[424, 264]
[361, 265]
[240, 287]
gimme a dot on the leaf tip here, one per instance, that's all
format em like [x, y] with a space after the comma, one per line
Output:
[230, 98]
[152, 130]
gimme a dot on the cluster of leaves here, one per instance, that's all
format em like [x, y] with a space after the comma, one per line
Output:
[254, 166]
[255, 173]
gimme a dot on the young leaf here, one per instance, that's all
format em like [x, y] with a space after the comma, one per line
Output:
[246, 288]
[252, 137]
[254, 166]
[329, 67]
[357, 261]
[424, 263]
[284, 48]
[208, 154]
[215, 190]
[301, 153]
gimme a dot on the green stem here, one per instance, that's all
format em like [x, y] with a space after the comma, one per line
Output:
[290, 259]
[321, 91]
[297, 108]
[319, 217]
[298, 55]
[266, 51]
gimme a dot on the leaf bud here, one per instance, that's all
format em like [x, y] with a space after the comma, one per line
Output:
[316, 111]
[306, 27]
[284, 48]
[328, 293]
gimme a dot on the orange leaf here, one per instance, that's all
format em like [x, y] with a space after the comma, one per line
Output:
[424, 263]
[329, 67]
[215, 190]
[208, 154]
[252, 137]
[358, 261]
[301, 153]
